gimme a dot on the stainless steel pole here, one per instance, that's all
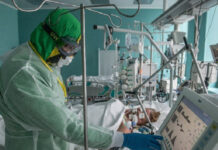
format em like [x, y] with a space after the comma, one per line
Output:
[150, 82]
[116, 66]
[145, 113]
[171, 68]
[141, 57]
[82, 14]
[171, 88]
[105, 38]
[165, 5]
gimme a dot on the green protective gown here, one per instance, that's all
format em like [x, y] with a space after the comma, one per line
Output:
[32, 104]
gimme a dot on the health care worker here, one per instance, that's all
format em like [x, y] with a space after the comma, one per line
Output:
[33, 94]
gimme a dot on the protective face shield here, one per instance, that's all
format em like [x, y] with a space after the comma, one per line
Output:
[68, 51]
[67, 46]
[64, 62]
[70, 47]
[64, 55]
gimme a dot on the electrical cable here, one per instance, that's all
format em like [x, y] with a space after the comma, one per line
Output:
[109, 16]
[121, 13]
[16, 6]
[130, 16]
[202, 65]
[40, 6]
[98, 12]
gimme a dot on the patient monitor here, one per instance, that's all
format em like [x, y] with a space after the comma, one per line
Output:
[192, 124]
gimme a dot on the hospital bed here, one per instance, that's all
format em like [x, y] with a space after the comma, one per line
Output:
[99, 88]
[109, 114]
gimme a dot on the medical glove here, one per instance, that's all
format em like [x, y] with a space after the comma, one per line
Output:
[137, 141]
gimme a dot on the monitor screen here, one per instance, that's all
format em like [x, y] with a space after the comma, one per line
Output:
[185, 126]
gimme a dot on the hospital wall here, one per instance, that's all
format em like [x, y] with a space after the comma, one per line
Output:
[211, 36]
[94, 38]
[8, 29]
[17, 26]
[208, 35]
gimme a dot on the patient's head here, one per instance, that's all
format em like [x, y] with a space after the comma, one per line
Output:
[152, 114]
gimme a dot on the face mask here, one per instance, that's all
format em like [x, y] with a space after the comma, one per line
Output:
[65, 62]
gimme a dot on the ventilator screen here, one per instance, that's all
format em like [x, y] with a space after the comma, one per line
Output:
[185, 126]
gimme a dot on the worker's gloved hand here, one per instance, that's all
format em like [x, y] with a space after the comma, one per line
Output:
[137, 141]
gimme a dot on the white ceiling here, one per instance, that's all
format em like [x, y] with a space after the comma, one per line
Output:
[31, 4]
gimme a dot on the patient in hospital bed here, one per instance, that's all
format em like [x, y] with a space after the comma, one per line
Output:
[111, 114]
[141, 120]
[114, 116]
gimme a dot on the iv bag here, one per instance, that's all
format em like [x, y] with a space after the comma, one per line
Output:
[135, 40]
[128, 40]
